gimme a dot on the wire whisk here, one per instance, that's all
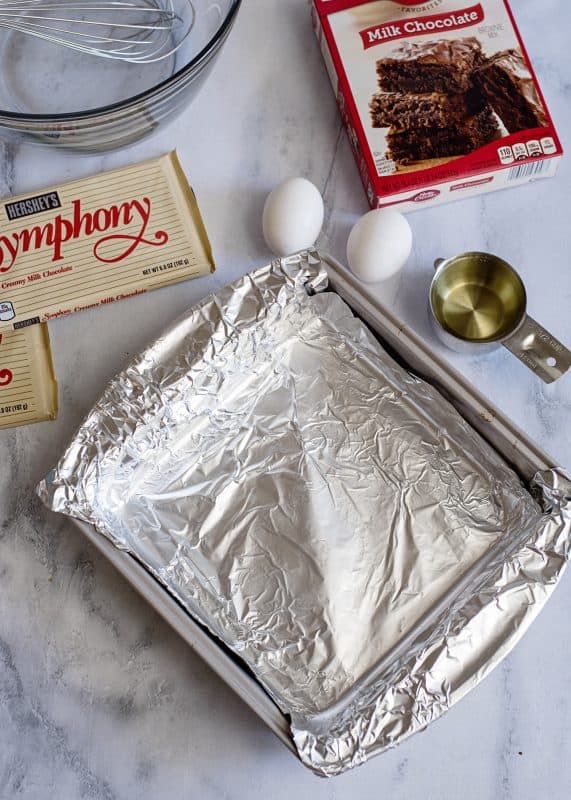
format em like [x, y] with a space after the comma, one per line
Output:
[137, 31]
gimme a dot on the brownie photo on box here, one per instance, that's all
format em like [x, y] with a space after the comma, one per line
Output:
[409, 146]
[403, 112]
[440, 66]
[506, 83]
[430, 103]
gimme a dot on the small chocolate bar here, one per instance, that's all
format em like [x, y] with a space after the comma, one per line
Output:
[28, 385]
[507, 84]
[436, 66]
[427, 110]
[408, 146]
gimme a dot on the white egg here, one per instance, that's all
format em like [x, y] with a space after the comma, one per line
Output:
[293, 216]
[379, 245]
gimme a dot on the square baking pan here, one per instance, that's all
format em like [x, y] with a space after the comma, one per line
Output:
[520, 453]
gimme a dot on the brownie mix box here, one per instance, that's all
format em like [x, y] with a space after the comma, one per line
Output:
[439, 98]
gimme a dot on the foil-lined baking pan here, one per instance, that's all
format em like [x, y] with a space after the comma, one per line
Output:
[323, 512]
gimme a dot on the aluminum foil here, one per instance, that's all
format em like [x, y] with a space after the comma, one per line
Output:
[325, 513]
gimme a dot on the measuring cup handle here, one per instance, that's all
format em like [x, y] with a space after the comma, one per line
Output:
[539, 350]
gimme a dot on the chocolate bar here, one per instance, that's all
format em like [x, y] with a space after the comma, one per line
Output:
[408, 146]
[427, 110]
[436, 66]
[28, 386]
[98, 240]
[507, 84]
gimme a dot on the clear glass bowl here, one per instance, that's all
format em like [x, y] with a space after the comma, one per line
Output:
[52, 95]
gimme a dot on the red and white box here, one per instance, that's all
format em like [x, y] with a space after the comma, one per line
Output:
[439, 98]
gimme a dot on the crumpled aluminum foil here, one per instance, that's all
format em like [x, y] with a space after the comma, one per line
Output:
[326, 514]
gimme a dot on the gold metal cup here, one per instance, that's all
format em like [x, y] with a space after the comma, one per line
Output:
[478, 302]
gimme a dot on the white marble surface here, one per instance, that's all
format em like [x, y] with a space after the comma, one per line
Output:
[98, 698]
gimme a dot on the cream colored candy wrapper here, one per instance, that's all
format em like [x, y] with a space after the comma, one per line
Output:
[28, 387]
[97, 240]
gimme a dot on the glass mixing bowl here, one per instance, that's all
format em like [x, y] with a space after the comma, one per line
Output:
[53, 95]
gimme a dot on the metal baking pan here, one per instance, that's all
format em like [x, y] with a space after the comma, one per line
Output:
[522, 454]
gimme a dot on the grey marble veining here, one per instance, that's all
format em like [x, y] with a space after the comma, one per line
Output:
[99, 699]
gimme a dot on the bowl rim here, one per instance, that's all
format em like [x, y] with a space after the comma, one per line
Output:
[123, 105]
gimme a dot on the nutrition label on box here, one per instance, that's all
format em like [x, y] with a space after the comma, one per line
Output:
[28, 388]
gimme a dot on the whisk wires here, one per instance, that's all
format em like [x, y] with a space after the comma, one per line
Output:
[137, 31]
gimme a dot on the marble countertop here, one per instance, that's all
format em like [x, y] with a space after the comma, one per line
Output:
[99, 699]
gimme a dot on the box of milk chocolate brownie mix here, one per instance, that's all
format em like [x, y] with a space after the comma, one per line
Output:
[439, 98]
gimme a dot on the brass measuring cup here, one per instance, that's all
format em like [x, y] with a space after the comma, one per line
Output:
[478, 302]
